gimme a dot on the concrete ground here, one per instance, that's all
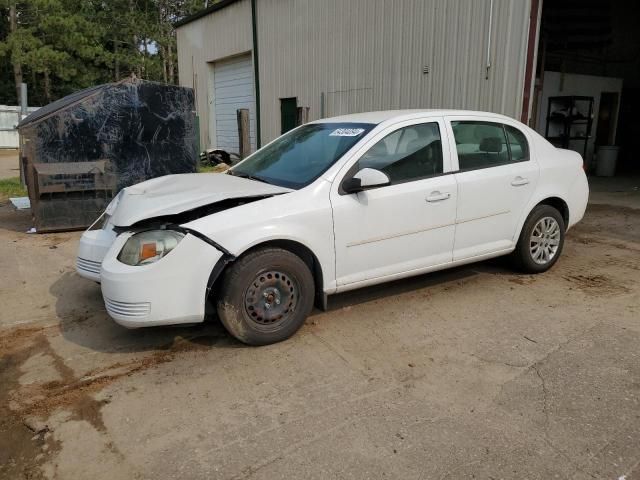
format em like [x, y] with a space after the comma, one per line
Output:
[9, 166]
[476, 372]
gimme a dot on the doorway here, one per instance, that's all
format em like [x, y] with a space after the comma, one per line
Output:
[233, 89]
[607, 118]
[288, 114]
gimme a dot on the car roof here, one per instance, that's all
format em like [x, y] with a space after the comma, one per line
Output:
[398, 115]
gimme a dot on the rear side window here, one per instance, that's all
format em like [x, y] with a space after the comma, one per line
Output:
[480, 144]
[408, 154]
[517, 144]
[486, 144]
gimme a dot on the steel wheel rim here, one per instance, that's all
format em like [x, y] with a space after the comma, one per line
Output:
[271, 299]
[545, 240]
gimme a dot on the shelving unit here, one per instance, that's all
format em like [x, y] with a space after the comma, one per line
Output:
[569, 118]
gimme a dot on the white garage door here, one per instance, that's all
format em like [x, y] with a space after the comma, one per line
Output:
[233, 89]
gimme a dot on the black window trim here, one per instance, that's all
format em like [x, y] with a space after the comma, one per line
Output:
[528, 157]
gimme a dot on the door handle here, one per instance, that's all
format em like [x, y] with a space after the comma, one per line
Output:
[519, 181]
[437, 196]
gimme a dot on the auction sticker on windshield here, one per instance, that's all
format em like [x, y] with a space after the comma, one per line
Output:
[346, 132]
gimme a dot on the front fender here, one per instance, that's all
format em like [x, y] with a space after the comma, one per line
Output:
[303, 217]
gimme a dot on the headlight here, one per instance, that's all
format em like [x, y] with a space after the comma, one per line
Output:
[148, 247]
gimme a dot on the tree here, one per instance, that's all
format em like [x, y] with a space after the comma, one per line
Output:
[12, 47]
[7, 81]
[57, 43]
[59, 46]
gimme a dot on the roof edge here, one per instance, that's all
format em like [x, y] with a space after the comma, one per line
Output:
[204, 12]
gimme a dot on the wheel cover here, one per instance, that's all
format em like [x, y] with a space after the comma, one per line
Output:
[271, 298]
[545, 240]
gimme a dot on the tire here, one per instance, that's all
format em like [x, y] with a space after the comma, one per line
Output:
[266, 296]
[546, 223]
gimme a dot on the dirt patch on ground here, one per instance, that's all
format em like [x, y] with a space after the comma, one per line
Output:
[523, 280]
[610, 222]
[25, 439]
[17, 339]
[20, 445]
[601, 285]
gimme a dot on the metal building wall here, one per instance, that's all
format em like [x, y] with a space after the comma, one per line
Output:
[370, 55]
[364, 55]
[222, 34]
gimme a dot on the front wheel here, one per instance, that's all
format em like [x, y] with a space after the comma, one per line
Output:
[266, 296]
[541, 240]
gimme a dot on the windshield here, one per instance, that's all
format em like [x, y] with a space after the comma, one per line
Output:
[299, 157]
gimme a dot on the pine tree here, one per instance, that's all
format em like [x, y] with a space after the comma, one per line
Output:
[60, 46]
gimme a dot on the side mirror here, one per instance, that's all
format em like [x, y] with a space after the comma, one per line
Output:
[365, 179]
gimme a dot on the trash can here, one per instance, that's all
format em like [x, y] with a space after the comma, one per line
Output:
[80, 151]
[606, 160]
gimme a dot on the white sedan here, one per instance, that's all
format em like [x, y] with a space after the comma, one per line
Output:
[333, 205]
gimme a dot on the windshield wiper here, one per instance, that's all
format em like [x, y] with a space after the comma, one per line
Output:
[250, 177]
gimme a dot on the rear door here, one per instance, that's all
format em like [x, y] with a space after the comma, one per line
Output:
[496, 177]
[407, 225]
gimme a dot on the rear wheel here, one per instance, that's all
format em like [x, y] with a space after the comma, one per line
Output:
[541, 240]
[266, 296]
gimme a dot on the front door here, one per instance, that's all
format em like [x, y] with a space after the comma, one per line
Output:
[405, 226]
[496, 178]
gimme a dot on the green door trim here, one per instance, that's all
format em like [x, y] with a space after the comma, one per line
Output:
[256, 69]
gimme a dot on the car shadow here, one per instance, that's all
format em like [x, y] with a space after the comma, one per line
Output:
[496, 266]
[84, 321]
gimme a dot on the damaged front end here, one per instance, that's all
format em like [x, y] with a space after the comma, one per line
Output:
[153, 238]
[165, 204]
[158, 270]
[165, 224]
[157, 277]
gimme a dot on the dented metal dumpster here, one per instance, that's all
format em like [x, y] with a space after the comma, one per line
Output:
[78, 152]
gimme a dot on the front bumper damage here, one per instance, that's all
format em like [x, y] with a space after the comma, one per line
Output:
[171, 291]
[93, 247]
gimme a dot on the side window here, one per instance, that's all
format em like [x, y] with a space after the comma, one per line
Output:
[480, 144]
[409, 153]
[518, 145]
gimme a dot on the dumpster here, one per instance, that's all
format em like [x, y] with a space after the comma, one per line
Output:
[77, 153]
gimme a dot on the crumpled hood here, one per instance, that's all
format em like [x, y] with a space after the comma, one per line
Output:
[174, 194]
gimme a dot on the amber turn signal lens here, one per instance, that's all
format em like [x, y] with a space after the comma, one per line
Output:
[149, 246]
[148, 250]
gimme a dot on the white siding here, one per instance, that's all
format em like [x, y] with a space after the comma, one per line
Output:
[366, 54]
[222, 34]
[370, 54]
[233, 89]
